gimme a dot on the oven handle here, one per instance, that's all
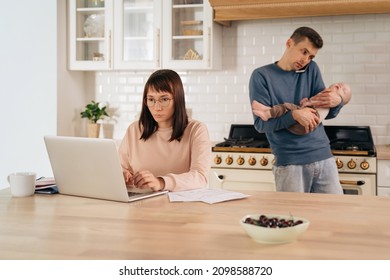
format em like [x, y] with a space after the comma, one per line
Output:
[354, 183]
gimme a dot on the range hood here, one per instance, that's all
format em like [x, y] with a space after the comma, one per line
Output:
[226, 11]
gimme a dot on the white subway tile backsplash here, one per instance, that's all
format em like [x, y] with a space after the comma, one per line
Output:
[379, 89]
[383, 122]
[377, 110]
[366, 78]
[356, 51]
[360, 37]
[342, 38]
[383, 78]
[383, 36]
[384, 98]
[362, 59]
[375, 68]
[365, 119]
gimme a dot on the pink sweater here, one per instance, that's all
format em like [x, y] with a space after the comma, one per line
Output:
[183, 165]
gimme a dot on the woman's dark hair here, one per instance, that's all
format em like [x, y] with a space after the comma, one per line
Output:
[164, 80]
[306, 32]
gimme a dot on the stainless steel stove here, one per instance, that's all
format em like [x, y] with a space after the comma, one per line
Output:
[244, 160]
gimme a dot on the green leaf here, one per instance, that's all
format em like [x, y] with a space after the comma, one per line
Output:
[94, 112]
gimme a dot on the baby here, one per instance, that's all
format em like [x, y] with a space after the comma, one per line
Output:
[266, 113]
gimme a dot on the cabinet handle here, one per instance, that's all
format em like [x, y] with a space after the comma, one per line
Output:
[354, 183]
[109, 49]
[209, 46]
[158, 47]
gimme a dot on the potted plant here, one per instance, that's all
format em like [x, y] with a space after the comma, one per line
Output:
[94, 112]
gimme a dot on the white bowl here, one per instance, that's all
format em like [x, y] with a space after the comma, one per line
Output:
[274, 235]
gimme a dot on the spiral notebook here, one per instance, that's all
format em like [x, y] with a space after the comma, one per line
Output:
[90, 167]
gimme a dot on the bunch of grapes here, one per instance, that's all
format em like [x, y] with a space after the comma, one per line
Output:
[272, 222]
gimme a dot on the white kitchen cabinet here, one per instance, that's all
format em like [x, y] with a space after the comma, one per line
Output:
[90, 34]
[143, 34]
[383, 177]
[191, 40]
[137, 34]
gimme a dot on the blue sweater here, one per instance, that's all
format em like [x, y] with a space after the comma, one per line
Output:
[270, 85]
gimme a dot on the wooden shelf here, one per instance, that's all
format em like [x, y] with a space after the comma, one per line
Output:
[226, 11]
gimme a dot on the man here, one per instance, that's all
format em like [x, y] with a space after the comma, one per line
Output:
[303, 163]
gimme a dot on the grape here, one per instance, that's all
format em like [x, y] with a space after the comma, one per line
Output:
[272, 222]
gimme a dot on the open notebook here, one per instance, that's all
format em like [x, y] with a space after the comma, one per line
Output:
[90, 167]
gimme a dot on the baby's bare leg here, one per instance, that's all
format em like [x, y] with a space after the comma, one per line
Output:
[260, 110]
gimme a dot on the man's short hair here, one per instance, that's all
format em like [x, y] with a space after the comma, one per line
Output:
[306, 32]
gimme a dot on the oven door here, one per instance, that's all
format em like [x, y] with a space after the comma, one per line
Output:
[242, 179]
[358, 184]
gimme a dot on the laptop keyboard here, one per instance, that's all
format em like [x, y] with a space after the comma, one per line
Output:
[132, 193]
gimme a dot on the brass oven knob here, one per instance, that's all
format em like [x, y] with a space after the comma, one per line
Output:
[364, 165]
[217, 159]
[252, 161]
[229, 160]
[339, 163]
[351, 164]
[240, 160]
[264, 161]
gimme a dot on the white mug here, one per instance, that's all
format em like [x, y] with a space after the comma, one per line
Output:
[22, 183]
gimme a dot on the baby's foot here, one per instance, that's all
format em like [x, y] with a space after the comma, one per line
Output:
[260, 110]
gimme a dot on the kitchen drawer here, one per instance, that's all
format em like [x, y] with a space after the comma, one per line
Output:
[242, 180]
[383, 173]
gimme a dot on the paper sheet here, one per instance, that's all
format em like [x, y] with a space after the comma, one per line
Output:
[205, 195]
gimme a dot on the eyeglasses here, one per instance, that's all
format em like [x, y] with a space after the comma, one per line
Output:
[151, 102]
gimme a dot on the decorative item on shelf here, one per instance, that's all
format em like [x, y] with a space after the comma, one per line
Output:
[189, 2]
[98, 56]
[192, 32]
[192, 27]
[192, 55]
[94, 112]
[94, 26]
[95, 3]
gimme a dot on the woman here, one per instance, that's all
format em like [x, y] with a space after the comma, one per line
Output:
[165, 150]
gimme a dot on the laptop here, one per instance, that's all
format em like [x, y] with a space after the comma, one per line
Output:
[90, 167]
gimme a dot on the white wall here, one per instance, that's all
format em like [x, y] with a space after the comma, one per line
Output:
[74, 88]
[356, 51]
[28, 87]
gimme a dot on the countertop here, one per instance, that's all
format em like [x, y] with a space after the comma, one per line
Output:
[383, 152]
[65, 227]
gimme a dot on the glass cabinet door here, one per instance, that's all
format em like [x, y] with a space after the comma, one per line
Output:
[90, 34]
[187, 30]
[188, 37]
[137, 34]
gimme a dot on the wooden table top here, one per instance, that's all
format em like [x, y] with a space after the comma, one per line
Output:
[66, 227]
